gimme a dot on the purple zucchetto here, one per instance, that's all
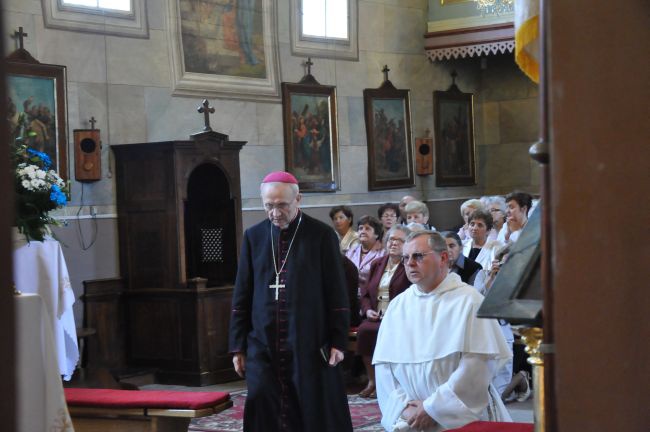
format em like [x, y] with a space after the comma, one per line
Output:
[280, 177]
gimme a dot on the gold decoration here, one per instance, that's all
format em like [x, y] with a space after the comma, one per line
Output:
[532, 337]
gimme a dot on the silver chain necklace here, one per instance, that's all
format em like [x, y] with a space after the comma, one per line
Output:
[277, 285]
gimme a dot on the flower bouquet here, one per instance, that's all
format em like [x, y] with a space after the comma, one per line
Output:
[38, 190]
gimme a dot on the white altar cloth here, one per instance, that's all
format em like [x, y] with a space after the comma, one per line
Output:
[39, 268]
[41, 402]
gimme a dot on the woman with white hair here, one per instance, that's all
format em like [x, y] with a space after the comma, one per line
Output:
[418, 212]
[496, 206]
[466, 209]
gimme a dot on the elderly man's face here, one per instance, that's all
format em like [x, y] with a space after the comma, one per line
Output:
[280, 203]
[424, 267]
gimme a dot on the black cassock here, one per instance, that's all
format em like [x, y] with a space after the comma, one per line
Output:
[290, 385]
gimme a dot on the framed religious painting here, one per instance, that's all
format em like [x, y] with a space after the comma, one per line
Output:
[388, 131]
[310, 134]
[224, 48]
[37, 110]
[453, 121]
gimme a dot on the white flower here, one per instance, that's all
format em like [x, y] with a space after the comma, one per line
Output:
[27, 184]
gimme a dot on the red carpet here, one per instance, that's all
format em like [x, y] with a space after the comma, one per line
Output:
[364, 412]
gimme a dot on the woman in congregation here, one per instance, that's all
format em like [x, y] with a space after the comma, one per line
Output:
[418, 212]
[369, 230]
[342, 219]
[496, 206]
[388, 214]
[518, 204]
[386, 279]
[478, 247]
[466, 209]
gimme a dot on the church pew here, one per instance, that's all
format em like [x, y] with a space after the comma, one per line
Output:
[107, 410]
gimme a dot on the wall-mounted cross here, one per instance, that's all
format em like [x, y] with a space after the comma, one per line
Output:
[206, 110]
[92, 122]
[385, 70]
[309, 64]
[20, 35]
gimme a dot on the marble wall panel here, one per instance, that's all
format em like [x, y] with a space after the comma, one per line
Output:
[255, 163]
[343, 122]
[157, 14]
[421, 117]
[84, 56]
[11, 22]
[489, 121]
[504, 166]
[354, 169]
[91, 101]
[127, 119]
[519, 120]
[407, 35]
[371, 26]
[351, 76]
[356, 122]
[270, 126]
[284, 21]
[171, 118]
[99, 261]
[33, 7]
[502, 80]
[142, 62]
[397, 63]
[535, 175]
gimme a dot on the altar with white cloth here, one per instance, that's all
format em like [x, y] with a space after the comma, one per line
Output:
[40, 401]
[39, 268]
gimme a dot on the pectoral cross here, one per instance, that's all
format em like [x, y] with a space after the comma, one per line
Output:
[277, 285]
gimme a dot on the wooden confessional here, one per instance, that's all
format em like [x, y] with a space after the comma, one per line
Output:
[179, 221]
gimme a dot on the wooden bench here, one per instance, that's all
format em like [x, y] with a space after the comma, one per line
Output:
[107, 410]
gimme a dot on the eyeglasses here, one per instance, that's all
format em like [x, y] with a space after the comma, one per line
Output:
[280, 206]
[417, 257]
[395, 240]
[389, 216]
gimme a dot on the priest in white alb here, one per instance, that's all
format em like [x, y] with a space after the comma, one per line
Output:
[434, 359]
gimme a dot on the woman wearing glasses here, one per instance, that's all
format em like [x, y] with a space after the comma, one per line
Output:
[369, 248]
[386, 280]
[387, 214]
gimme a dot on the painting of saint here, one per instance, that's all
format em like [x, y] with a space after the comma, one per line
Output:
[454, 134]
[223, 37]
[32, 109]
[390, 139]
[310, 138]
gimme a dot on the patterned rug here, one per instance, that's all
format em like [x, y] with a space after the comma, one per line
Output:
[364, 412]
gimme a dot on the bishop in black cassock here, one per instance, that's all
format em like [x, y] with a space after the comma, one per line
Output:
[289, 323]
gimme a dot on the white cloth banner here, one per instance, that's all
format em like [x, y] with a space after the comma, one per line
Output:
[527, 48]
